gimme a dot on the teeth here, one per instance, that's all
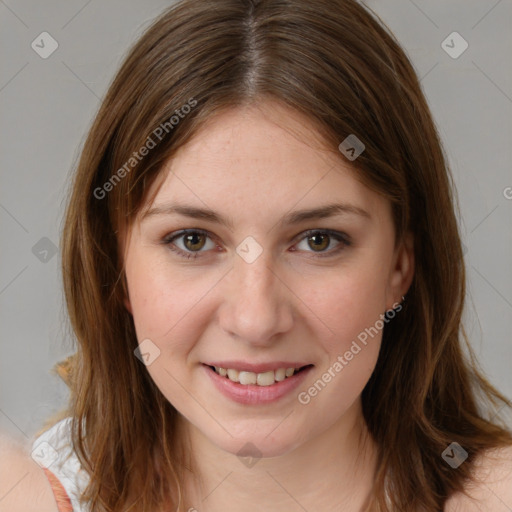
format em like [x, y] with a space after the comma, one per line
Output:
[280, 374]
[247, 378]
[233, 375]
[265, 379]
[260, 379]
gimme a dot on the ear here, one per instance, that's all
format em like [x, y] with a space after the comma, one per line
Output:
[127, 305]
[402, 271]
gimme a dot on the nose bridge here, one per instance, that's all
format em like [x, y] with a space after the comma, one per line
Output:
[256, 306]
[257, 277]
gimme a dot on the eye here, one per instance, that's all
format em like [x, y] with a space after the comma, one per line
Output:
[320, 240]
[192, 240]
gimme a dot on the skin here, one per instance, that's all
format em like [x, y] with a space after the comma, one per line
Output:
[310, 461]
[253, 165]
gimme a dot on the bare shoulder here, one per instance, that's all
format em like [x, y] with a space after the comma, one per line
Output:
[491, 488]
[24, 486]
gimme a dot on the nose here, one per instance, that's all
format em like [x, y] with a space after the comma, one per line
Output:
[256, 302]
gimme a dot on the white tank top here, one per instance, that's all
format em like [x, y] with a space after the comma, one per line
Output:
[53, 450]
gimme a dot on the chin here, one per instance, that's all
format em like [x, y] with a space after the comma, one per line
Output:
[257, 445]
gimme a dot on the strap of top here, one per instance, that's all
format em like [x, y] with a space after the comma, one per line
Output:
[61, 496]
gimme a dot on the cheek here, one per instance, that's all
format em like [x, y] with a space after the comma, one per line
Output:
[167, 303]
[152, 299]
[349, 304]
[352, 310]
[167, 309]
[346, 304]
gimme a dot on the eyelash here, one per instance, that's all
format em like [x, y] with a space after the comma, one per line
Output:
[340, 237]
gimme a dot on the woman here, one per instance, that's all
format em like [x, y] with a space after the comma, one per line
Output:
[263, 270]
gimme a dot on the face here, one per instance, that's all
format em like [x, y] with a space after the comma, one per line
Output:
[237, 263]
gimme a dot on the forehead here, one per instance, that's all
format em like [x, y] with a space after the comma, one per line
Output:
[260, 159]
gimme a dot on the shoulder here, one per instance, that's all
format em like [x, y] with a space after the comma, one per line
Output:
[491, 487]
[24, 486]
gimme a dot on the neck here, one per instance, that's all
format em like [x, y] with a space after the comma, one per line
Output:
[332, 470]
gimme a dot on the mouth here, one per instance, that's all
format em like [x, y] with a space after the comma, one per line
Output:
[273, 382]
[263, 379]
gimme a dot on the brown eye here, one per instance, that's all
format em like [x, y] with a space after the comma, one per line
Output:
[194, 241]
[323, 243]
[189, 244]
[320, 241]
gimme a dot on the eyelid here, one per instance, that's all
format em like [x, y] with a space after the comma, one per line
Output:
[342, 238]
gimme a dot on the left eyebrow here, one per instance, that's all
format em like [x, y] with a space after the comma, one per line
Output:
[329, 210]
[295, 217]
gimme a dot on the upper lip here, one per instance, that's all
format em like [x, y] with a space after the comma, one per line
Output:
[257, 367]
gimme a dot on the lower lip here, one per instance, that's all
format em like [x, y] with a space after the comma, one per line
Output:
[253, 394]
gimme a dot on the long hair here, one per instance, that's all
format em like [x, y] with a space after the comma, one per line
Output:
[335, 62]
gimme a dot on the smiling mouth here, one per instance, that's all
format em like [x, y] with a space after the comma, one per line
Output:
[260, 379]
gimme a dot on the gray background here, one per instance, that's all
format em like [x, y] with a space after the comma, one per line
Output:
[47, 106]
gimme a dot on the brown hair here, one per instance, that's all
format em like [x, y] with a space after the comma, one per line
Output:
[336, 63]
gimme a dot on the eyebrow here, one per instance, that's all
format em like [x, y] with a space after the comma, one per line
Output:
[295, 217]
